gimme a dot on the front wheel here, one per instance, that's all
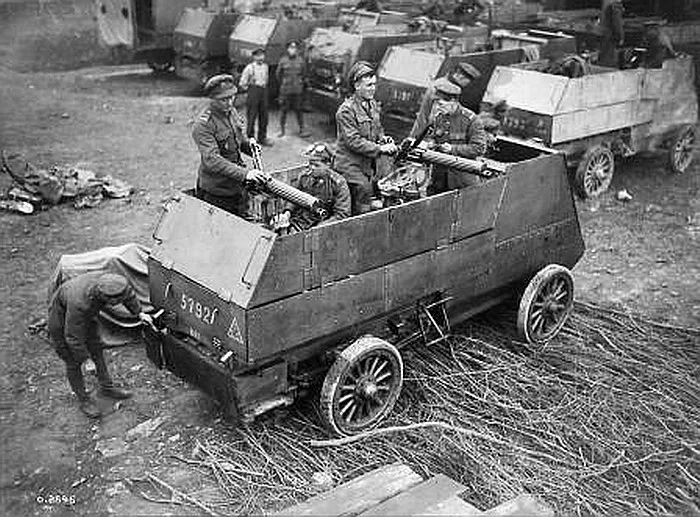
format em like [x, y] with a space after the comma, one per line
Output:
[595, 172]
[362, 386]
[681, 153]
[546, 304]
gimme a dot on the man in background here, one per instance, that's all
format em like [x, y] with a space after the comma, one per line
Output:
[255, 79]
[612, 32]
[291, 77]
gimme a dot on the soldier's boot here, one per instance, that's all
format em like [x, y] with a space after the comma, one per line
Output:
[77, 384]
[107, 386]
[115, 392]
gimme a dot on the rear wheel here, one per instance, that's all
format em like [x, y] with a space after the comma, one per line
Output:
[681, 153]
[362, 386]
[546, 304]
[595, 172]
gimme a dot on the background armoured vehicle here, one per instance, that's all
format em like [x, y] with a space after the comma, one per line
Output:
[332, 51]
[408, 70]
[272, 32]
[201, 42]
[145, 27]
[257, 319]
[602, 114]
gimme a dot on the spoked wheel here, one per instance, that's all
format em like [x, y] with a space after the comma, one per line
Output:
[682, 150]
[362, 386]
[595, 172]
[546, 304]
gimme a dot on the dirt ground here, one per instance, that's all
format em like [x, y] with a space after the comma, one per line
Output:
[641, 255]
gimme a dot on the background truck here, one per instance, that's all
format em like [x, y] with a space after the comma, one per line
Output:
[408, 70]
[602, 115]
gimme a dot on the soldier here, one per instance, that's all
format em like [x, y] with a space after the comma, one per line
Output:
[659, 46]
[290, 76]
[613, 32]
[462, 76]
[255, 79]
[218, 133]
[361, 139]
[73, 311]
[456, 130]
[322, 182]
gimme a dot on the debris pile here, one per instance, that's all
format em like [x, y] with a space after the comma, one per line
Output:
[603, 421]
[34, 188]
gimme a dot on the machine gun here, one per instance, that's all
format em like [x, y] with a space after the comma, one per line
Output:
[407, 145]
[284, 191]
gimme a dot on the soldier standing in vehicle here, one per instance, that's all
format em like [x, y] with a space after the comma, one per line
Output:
[361, 140]
[613, 32]
[255, 79]
[456, 130]
[72, 322]
[462, 76]
[291, 72]
[218, 133]
[325, 184]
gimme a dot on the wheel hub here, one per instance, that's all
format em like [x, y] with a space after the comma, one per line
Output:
[367, 388]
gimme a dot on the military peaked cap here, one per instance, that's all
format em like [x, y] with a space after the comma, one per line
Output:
[469, 70]
[447, 87]
[359, 70]
[220, 86]
[110, 285]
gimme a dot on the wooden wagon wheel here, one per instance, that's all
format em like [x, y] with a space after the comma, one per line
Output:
[362, 386]
[546, 304]
[680, 155]
[595, 172]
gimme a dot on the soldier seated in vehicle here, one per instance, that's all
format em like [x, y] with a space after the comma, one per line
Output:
[462, 76]
[218, 133]
[322, 182]
[456, 130]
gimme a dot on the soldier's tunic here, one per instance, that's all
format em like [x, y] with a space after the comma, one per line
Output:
[72, 325]
[219, 137]
[465, 132]
[359, 132]
[290, 75]
[330, 188]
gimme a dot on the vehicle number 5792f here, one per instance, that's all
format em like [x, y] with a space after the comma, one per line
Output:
[199, 310]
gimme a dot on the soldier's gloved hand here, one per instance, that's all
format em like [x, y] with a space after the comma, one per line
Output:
[257, 176]
[445, 148]
[389, 148]
[146, 318]
[281, 221]
[88, 367]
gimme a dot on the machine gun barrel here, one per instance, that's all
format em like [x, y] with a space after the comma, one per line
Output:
[449, 160]
[295, 196]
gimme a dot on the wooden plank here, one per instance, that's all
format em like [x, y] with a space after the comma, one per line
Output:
[417, 499]
[453, 506]
[360, 494]
[524, 505]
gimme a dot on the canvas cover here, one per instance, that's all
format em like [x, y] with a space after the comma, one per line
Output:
[115, 23]
[117, 326]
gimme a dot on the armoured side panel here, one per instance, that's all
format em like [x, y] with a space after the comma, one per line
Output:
[218, 34]
[213, 248]
[537, 194]
[350, 246]
[285, 269]
[526, 89]
[476, 208]
[199, 312]
[465, 269]
[284, 324]
[191, 32]
[249, 33]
